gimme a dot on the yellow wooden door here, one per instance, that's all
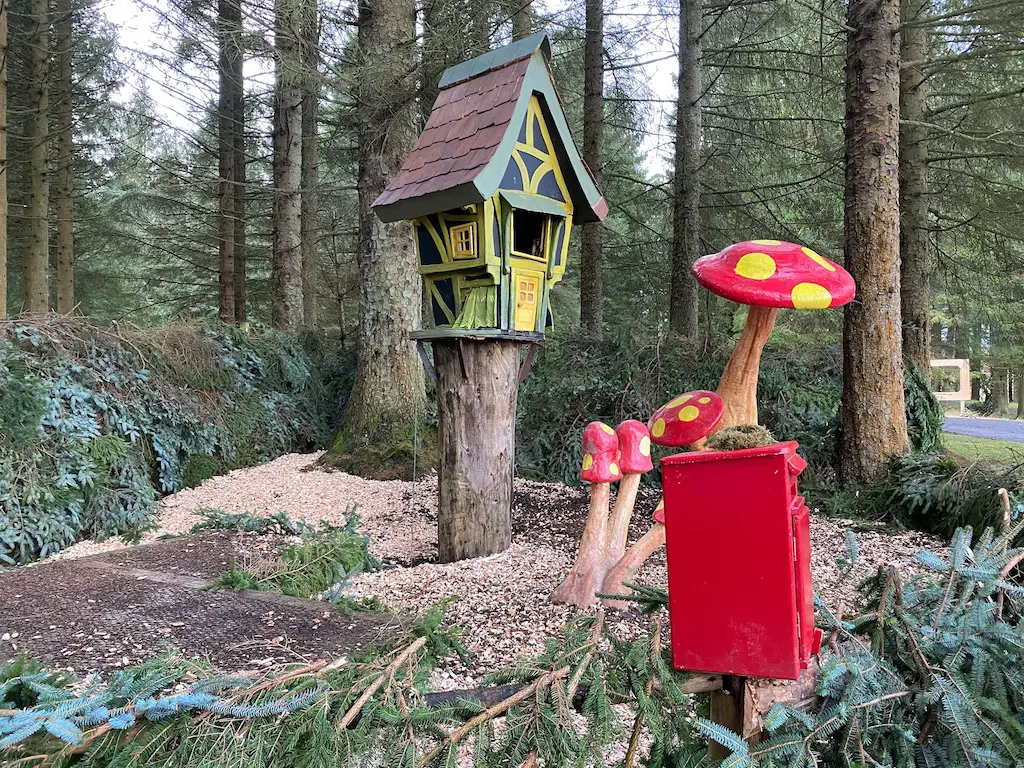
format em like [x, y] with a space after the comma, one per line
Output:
[527, 293]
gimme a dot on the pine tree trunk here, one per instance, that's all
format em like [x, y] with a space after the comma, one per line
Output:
[477, 383]
[238, 165]
[287, 305]
[4, 8]
[387, 398]
[591, 289]
[522, 20]
[35, 283]
[874, 416]
[65, 205]
[229, 21]
[915, 292]
[310, 160]
[686, 184]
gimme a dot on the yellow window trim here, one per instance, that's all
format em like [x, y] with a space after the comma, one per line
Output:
[463, 238]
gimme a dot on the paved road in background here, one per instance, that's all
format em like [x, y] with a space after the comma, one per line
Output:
[994, 429]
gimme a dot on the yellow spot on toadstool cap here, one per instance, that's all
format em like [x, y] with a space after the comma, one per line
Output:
[613, 468]
[645, 446]
[811, 296]
[608, 429]
[704, 400]
[689, 413]
[767, 242]
[678, 401]
[659, 428]
[818, 259]
[755, 266]
[588, 462]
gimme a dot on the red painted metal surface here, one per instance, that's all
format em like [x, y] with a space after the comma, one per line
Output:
[739, 577]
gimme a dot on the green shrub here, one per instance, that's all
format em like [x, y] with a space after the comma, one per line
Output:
[96, 423]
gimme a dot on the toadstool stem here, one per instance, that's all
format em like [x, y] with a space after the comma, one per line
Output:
[622, 512]
[738, 385]
[580, 586]
[629, 564]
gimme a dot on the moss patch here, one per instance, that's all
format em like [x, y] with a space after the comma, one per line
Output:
[401, 454]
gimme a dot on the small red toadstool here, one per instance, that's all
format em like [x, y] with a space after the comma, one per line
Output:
[767, 275]
[634, 460]
[687, 420]
[600, 469]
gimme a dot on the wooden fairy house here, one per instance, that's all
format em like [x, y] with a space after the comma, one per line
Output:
[493, 186]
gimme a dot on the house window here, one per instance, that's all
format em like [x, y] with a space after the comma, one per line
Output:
[528, 233]
[464, 241]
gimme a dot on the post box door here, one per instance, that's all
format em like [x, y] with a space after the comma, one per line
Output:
[731, 562]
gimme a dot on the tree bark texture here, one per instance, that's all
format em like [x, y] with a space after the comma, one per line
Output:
[477, 383]
[915, 290]
[522, 19]
[388, 391]
[229, 22]
[35, 283]
[239, 167]
[874, 415]
[310, 160]
[65, 204]
[4, 8]
[591, 289]
[683, 296]
[287, 304]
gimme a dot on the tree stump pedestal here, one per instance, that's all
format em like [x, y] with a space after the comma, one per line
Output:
[477, 388]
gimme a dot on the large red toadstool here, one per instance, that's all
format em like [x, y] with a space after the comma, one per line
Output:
[768, 275]
[634, 461]
[685, 421]
[600, 469]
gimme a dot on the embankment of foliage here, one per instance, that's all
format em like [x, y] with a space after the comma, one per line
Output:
[97, 422]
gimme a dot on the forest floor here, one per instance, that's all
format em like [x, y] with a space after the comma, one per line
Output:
[102, 605]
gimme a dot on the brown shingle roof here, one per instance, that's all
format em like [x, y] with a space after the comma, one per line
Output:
[465, 126]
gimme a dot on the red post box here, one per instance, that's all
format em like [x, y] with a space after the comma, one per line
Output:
[739, 562]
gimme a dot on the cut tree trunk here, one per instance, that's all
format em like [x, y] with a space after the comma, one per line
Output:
[686, 183]
[591, 288]
[999, 400]
[738, 385]
[874, 415]
[287, 306]
[625, 569]
[35, 282]
[915, 289]
[3, 157]
[477, 384]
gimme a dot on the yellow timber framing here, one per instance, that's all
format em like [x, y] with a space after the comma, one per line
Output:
[487, 258]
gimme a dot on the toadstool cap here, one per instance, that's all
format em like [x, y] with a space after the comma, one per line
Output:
[772, 273]
[600, 454]
[659, 511]
[686, 419]
[634, 447]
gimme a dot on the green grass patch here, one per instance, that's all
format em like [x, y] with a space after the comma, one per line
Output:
[983, 449]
